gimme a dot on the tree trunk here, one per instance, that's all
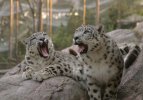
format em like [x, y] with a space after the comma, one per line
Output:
[51, 17]
[47, 14]
[17, 28]
[84, 12]
[11, 28]
[97, 12]
[40, 20]
[33, 14]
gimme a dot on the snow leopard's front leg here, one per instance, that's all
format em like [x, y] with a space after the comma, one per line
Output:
[110, 92]
[94, 91]
[53, 70]
[27, 73]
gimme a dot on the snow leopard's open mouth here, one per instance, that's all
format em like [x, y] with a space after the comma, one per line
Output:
[43, 49]
[82, 48]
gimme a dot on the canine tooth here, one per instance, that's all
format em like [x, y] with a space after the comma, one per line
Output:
[40, 42]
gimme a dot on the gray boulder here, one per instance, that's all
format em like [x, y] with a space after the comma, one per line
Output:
[131, 87]
[124, 36]
[12, 87]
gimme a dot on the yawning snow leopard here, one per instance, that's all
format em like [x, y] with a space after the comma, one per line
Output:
[43, 62]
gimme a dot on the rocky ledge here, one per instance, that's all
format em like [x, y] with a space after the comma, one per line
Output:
[12, 87]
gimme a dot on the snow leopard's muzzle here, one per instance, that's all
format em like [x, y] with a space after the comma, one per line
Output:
[82, 48]
[43, 48]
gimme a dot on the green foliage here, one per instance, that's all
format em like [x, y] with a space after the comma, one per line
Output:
[3, 56]
[90, 16]
[62, 4]
[87, 2]
[109, 19]
[120, 9]
[74, 22]
[21, 49]
[61, 38]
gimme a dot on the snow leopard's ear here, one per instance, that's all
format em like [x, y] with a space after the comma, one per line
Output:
[25, 41]
[100, 28]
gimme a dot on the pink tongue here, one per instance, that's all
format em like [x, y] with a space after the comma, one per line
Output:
[44, 52]
[80, 49]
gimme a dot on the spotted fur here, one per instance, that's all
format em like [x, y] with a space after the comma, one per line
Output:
[105, 61]
[56, 64]
[130, 53]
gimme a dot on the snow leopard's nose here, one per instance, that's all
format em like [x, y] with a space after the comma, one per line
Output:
[46, 40]
[42, 39]
[76, 38]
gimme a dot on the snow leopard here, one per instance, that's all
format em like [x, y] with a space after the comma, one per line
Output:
[43, 61]
[104, 58]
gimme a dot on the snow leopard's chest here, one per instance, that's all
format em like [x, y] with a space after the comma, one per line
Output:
[101, 72]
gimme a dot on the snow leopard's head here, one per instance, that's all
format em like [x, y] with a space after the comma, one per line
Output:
[88, 38]
[39, 44]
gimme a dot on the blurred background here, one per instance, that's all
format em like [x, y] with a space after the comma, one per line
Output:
[59, 18]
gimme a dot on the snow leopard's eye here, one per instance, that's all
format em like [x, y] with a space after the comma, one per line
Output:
[32, 38]
[44, 34]
[86, 31]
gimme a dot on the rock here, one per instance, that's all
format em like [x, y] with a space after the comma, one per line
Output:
[12, 87]
[139, 30]
[125, 37]
[134, 18]
[122, 36]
